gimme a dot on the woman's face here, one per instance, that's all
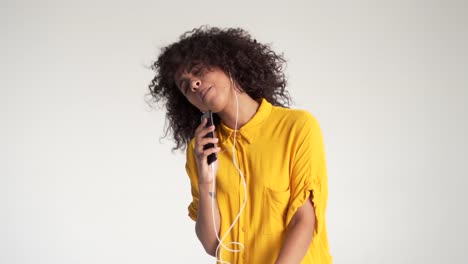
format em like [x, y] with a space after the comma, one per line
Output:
[205, 88]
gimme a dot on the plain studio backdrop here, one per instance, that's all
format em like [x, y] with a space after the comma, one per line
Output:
[85, 178]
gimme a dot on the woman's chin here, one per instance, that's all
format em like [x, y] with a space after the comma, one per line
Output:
[213, 103]
[216, 107]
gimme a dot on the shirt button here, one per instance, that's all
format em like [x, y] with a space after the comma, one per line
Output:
[243, 229]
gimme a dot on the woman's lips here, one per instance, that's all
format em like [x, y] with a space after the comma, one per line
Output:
[204, 93]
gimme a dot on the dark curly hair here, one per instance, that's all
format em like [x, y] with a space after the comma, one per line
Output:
[254, 66]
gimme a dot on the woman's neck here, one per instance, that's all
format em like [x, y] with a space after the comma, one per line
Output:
[247, 109]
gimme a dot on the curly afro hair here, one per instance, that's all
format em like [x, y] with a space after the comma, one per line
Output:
[254, 66]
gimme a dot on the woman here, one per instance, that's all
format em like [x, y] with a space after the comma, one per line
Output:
[264, 199]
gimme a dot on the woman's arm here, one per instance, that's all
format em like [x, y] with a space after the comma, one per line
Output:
[204, 226]
[207, 226]
[298, 235]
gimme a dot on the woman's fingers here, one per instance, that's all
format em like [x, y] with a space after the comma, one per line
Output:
[201, 139]
[202, 133]
[209, 151]
[201, 154]
[200, 148]
[201, 126]
[205, 141]
[204, 154]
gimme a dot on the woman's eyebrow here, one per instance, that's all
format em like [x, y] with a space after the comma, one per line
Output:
[193, 65]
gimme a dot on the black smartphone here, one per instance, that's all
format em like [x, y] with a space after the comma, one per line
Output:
[209, 116]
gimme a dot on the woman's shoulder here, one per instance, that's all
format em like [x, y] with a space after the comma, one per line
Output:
[294, 116]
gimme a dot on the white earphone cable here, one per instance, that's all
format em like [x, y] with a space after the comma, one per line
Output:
[234, 160]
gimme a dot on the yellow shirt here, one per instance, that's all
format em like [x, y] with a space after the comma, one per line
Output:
[281, 154]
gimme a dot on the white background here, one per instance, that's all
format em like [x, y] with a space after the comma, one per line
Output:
[85, 178]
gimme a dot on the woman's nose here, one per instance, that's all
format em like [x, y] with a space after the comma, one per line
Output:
[195, 85]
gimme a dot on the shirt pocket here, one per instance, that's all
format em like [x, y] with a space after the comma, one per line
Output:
[274, 208]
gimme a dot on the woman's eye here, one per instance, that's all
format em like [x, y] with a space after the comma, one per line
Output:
[197, 70]
[184, 87]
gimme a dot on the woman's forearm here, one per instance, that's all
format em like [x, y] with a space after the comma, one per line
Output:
[204, 227]
[298, 236]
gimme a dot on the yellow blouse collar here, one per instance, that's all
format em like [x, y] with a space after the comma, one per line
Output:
[247, 131]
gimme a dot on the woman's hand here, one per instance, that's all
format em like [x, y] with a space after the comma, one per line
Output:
[205, 173]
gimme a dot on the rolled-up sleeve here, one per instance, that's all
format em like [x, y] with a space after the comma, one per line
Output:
[308, 174]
